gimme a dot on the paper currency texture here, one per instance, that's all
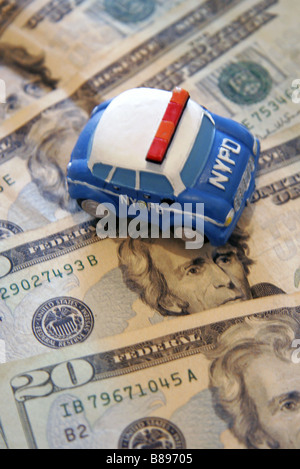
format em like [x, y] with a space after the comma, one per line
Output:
[128, 343]
[205, 382]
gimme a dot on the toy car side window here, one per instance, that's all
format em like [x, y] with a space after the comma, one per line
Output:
[152, 182]
[102, 170]
[123, 178]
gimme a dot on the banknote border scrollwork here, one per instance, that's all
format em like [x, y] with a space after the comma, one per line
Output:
[210, 48]
[28, 254]
[278, 156]
[12, 228]
[154, 47]
[199, 56]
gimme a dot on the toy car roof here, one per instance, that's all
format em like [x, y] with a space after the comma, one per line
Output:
[128, 127]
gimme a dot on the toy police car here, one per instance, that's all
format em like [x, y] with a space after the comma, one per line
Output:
[154, 145]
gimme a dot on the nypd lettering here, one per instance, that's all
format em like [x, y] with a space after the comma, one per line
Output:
[224, 163]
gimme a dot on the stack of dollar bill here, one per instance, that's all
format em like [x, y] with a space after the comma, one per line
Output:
[133, 344]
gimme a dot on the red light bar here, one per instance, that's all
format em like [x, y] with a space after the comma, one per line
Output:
[168, 126]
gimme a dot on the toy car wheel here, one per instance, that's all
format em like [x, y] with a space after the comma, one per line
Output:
[89, 206]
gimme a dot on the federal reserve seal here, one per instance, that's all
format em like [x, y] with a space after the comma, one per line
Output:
[8, 229]
[152, 433]
[130, 11]
[245, 83]
[62, 322]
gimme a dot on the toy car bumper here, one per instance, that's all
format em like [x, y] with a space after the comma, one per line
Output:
[218, 236]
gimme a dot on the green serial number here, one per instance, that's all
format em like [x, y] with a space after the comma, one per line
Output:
[117, 396]
[37, 280]
[266, 111]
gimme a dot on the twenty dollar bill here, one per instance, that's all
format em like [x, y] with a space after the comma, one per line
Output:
[207, 381]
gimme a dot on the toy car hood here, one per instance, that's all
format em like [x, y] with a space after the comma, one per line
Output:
[128, 126]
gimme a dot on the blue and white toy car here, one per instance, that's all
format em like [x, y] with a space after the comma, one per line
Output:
[156, 146]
